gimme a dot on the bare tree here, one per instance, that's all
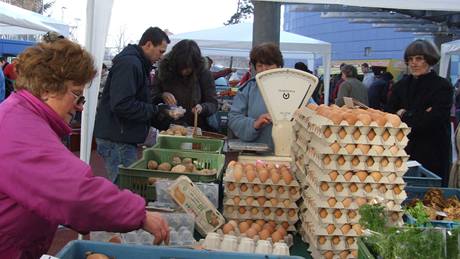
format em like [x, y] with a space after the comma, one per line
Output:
[244, 10]
[120, 39]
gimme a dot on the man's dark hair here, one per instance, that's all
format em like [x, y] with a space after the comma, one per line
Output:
[349, 71]
[302, 66]
[186, 54]
[2, 59]
[154, 35]
[365, 65]
[266, 53]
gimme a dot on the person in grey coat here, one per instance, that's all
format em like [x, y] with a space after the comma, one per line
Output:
[351, 87]
[248, 118]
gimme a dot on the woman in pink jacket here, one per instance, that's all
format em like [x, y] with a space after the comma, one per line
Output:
[42, 183]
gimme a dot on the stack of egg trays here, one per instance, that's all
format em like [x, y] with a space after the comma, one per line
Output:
[328, 160]
[269, 201]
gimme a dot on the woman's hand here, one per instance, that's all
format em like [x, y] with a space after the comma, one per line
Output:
[198, 108]
[169, 98]
[263, 120]
[156, 225]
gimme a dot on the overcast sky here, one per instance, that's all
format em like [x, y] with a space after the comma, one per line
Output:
[134, 16]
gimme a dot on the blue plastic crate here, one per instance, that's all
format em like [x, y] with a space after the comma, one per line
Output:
[418, 192]
[76, 249]
[420, 176]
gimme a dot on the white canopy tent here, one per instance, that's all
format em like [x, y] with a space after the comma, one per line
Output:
[15, 20]
[432, 5]
[236, 40]
[447, 50]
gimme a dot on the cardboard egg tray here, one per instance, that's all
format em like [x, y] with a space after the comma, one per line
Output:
[335, 243]
[339, 254]
[314, 228]
[291, 228]
[354, 162]
[300, 175]
[232, 212]
[330, 218]
[301, 119]
[346, 192]
[229, 177]
[292, 193]
[288, 239]
[324, 175]
[267, 204]
[322, 147]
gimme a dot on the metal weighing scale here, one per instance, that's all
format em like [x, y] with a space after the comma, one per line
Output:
[284, 90]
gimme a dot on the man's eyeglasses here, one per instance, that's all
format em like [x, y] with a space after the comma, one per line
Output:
[79, 99]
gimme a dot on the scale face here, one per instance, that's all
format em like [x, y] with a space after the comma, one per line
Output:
[284, 90]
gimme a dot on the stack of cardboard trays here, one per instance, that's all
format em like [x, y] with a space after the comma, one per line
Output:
[344, 158]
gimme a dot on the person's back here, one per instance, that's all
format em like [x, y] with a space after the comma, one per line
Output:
[378, 91]
[351, 87]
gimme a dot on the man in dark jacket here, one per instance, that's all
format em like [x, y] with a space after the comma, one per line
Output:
[125, 112]
[378, 91]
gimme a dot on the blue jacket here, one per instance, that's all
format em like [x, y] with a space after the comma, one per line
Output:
[247, 106]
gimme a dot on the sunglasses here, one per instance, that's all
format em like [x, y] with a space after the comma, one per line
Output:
[79, 99]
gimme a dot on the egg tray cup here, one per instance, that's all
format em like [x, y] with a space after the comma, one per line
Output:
[357, 163]
[301, 177]
[315, 253]
[323, 175]
[300, 132]
[275, 193]
[302, 118]
[300, 145]
[267, 204]
[389, 194]
[344, 243]
[322, 147]
[231, 212]
[288, 239]
[229, 177]
[315, 228]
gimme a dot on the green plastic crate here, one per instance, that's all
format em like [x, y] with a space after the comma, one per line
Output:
[190, 144]
[135, 177]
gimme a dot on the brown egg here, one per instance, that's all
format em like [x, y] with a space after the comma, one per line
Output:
[335, 147]
[355, 161]
[264, 234]
[368, 188]
[353, 187]
[362, 175]
[292, 213]
[350, 118]
[371, 135]
[337, 213]
[242, 210]
[260, 222]
[345, 228]
[287, 176]
[257, 227]
[243, 226]
[323, 213]
[380, 120]
[267, 211]
[274, 202]
[354, 253]
[398, 163]
[397, 190]
[275, 176]
[395, 216]
[352, 214]
[254, 211]
[251, 233]
[342, 133]
[243, 187]
[263, 175]
[256, 188]
[227, 228]
[237, 174]
[376, 176]
[249, 200]
[336, 118]
[348, 175]
[370, 161]
[357, 228]
[281, 190]
[385, 135]
[249, 221]
[400, 135]
[260, 166]
[364, 148]
[383, 188]
[344, 254]
[279, 212]
[365, 119]
[270, 166]
[331, 201]
[250, 175]
[261, 200]
[350, 240]
[330, 228]
[249, 167]
[231, 186]
[287, 202]
[328, 255]
[347, 202]
[327, 132]
[236, 200]
[338, 187]
[360, 201]
[393, 119]
[384, 162]
[282, 231]
[285, 225]
[394, 150]
[321, 240]
[312, 106]
[333, 175]
[268, 189]
[324, 186]
[231, 164]
[350, 148]
[269, 227]
[276, 237]
[340, 160]
[378, 149]
[233, 223]
[326, 159]
[391, 177]
[356, 134]
[390, 204]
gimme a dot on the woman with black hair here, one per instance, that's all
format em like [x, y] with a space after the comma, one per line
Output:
[184, 80]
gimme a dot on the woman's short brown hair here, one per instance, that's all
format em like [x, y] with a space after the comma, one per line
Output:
[266, 53]
[48, 67]
[423, 48]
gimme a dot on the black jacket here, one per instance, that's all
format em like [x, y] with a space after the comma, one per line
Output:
[125, 110]
[430, 138]
[188, 92]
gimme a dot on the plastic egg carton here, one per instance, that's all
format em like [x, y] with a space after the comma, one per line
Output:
[230, 178]
[317, 229]
[181, 228]
[210, 190]
[342, 176]
[279, 192]
[266, 203]
[354, 162]
[346, 191]
[241, 212]
[288, 239]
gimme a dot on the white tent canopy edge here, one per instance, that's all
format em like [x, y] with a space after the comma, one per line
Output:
[447, 50]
